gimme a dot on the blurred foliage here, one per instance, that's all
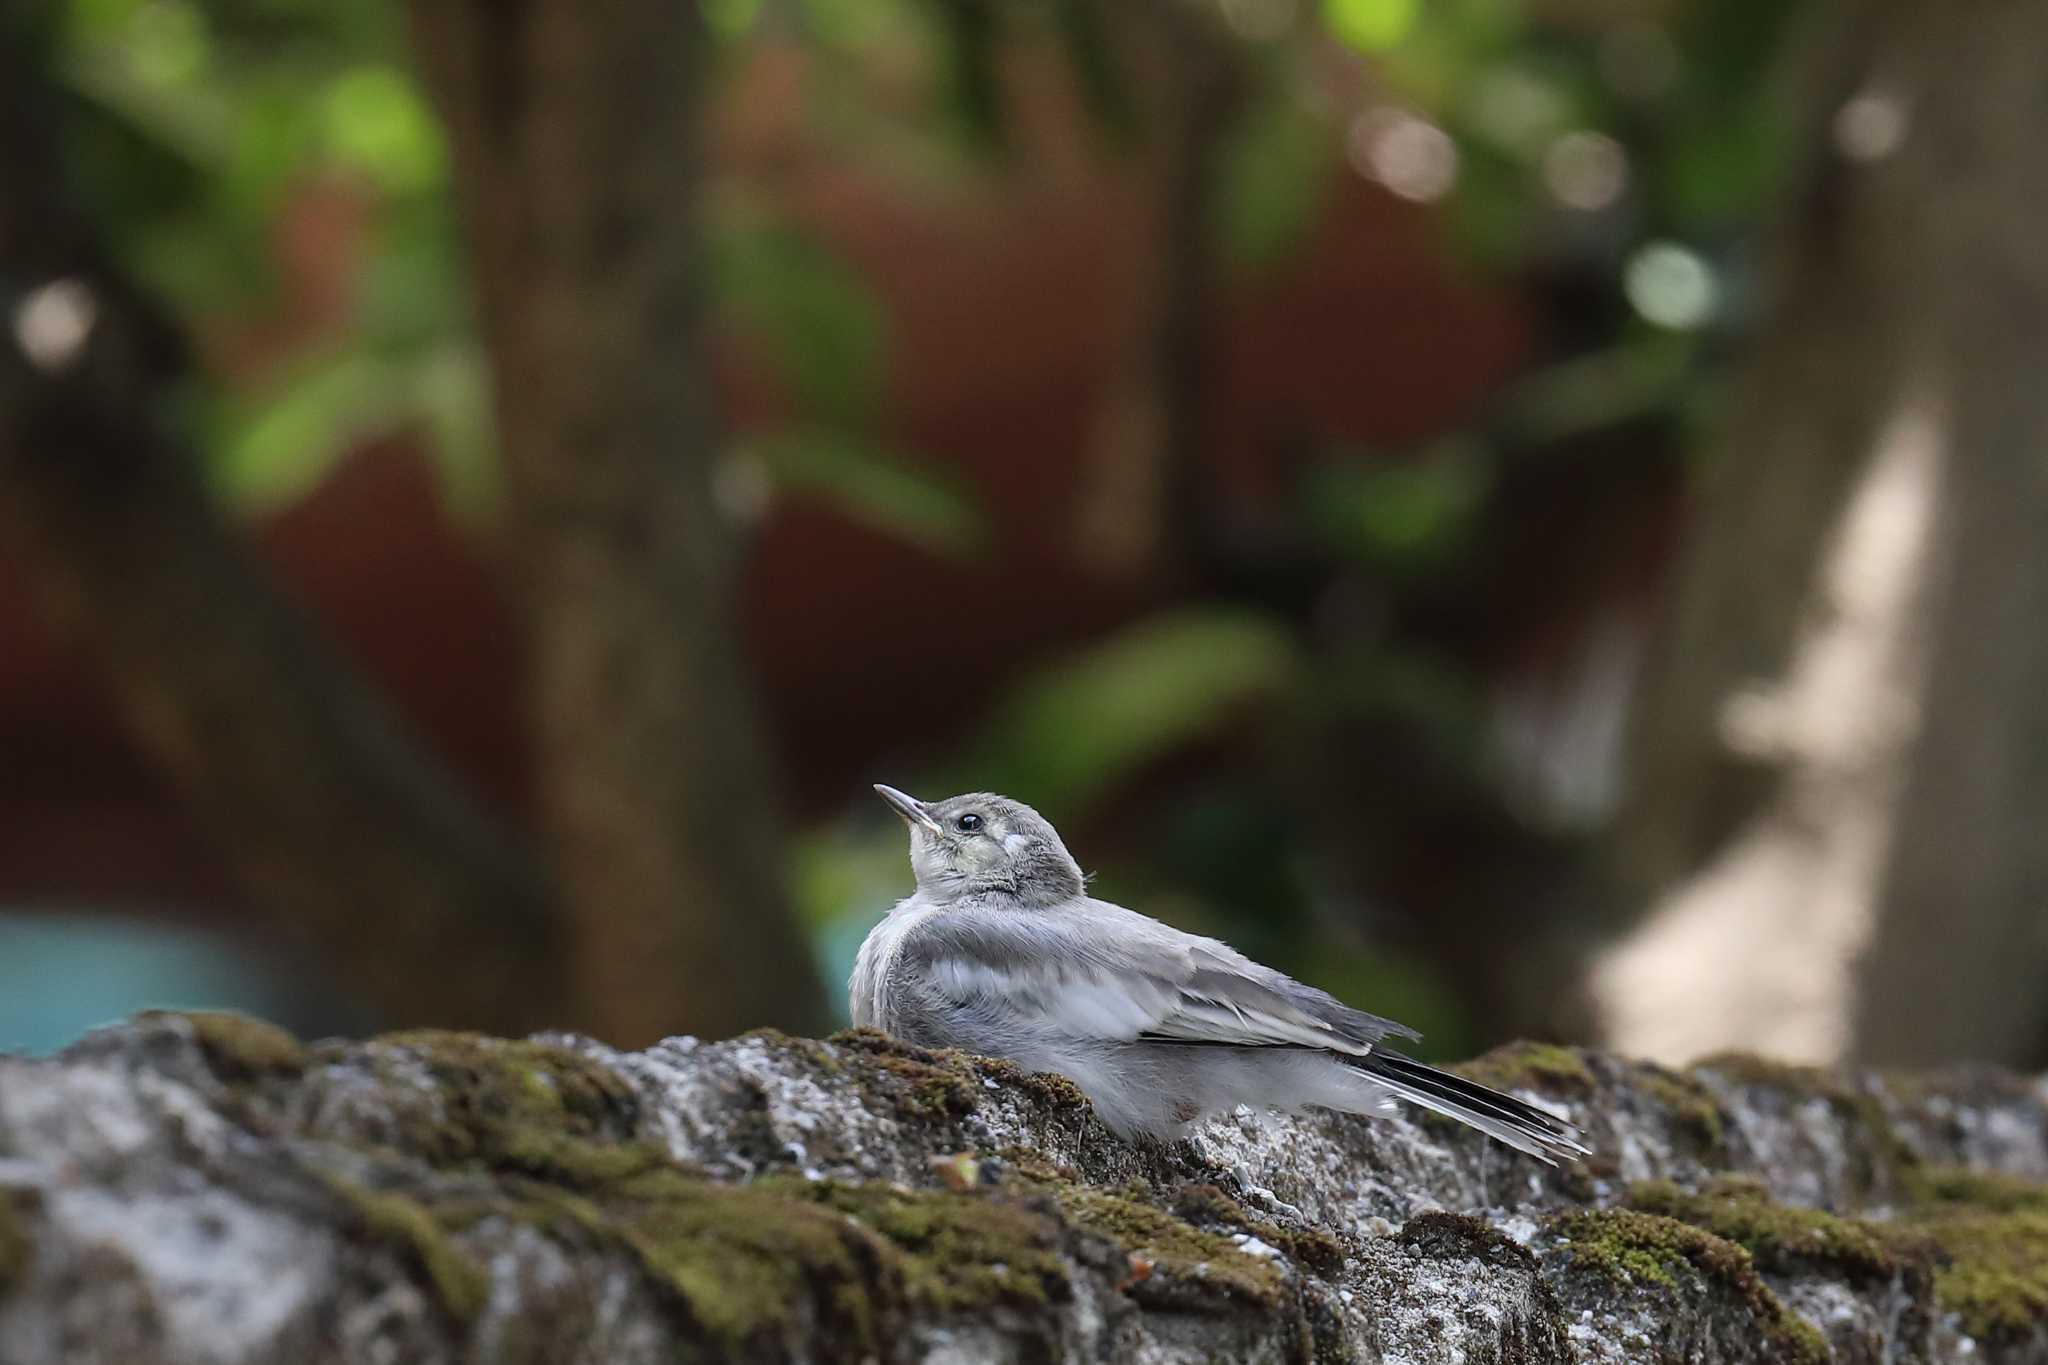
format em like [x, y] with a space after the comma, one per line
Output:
[869, 484]
[1617, 157]
[1071, 730]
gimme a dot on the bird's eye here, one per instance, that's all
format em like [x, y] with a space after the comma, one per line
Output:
[968, 823]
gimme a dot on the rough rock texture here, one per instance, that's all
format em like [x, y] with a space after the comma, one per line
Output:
[203, 1188]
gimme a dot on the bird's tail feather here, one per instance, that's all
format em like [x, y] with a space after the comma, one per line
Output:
[1519, 1124]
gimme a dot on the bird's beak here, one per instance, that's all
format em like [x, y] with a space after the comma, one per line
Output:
[913, 811]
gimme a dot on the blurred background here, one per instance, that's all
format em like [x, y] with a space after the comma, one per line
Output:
[1524, 513]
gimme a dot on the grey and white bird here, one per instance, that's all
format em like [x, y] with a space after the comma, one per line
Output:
[1001, 951]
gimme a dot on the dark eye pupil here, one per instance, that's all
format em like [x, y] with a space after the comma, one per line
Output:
[968, 823]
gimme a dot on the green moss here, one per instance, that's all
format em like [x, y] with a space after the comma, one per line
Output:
[1993, 1270]
[1691, 1105]
[1183, 1266]
[460, 1285]
[936, 1082]
[1542, 1067]
[238, 1046]
[961, 1250]
[1050, 1089]
[1781, 1238]
[1990, 1193]
[1983, 1240]
[747, 1264]
[1031, 1164]
[744, 1262]
[1629, 1246]
[930, 1082]
[1208, 1206]
[15, 1247]
[530, 1107]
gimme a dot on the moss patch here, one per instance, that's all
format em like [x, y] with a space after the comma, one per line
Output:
[961, 1250]
[237, 1046]
[1630, 1246]
[1993, 1270]
[745, 1262]
[1208, 1206]
[1780, 1238]
[1184, 1267]
[929, 1082]
[760, 1269]
[1691, 1105]
[1048, 1088]
[530, 1107]
[1542, 1067]
[1989, 1193]
[460, 1285]
[1981, 1239]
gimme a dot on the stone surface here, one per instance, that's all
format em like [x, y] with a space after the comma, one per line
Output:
[203, 1188]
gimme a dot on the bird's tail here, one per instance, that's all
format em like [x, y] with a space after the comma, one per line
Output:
[1517, 1123]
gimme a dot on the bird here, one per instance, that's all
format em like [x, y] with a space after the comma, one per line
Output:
[1002, 952]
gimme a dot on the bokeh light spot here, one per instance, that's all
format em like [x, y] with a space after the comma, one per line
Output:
[1585, 170]
[1870, 125]
[54, 322]
[1411, 156]
[1670, 285]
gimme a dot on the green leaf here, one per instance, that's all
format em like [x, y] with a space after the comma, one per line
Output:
[277, 443]
[1074, 727]
[816, 315]
[1403, 513]
[1276, 171]
[450, 391]
[1370, 25]
[731, 19]
[378, 123]
[874, 486]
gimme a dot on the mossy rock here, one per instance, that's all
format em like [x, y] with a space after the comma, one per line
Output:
[237, 1047]
[962, 1250]
[531, 1107]
[1208, 1206]
[1693, 1109]
[1980, 1241]
[1645, 1251]
[1992, 1268]
[1782, 1238]
[1174, 1264]
[1951, 1185]
[1542, 1067]
[459, 1283]
[1440, 1233]
[1890, 1160]
[929, 1083]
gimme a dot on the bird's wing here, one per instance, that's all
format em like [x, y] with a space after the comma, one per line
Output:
[1100, 971]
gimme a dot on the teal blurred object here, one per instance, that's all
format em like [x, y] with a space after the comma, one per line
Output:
[62, 974]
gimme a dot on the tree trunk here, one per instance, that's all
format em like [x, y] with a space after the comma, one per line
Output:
[187, 1189]
[1841, 757]
[576, 136]
[338, 825]
[1961, 948]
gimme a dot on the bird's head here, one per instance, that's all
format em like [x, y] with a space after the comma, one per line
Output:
[981, 844]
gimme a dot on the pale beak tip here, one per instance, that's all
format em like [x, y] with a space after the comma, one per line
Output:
[906, 805]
